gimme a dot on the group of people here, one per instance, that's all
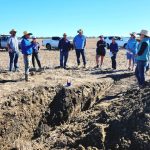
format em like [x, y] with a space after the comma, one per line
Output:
[138, 52]
[30, 51]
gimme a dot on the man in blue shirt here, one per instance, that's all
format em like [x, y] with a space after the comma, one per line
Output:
[13, 50]
[64, 46]
[131, 50]
[114, 50]
[27, 49]
[79, 44]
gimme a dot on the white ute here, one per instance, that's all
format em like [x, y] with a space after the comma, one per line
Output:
[51, 43]
[121, 41]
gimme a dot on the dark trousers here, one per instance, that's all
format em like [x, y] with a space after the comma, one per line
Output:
[78, 53]
[113, 59]
[36, 56]
[140, 71]
[13, 60]
[63, 58]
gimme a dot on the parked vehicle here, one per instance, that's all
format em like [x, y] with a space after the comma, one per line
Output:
[53, 43]
[3, 41]
[122, 41]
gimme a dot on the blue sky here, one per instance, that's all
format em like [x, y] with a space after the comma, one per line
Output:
[54, 17]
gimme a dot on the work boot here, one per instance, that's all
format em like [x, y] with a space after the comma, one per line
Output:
[26, 77]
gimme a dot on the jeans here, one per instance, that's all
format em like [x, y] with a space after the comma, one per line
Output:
[140, 71]
[78, 53]
[63, 58]
[13, 60]
[36, 56]
[148, 66]
[113, 58]
[27, 62]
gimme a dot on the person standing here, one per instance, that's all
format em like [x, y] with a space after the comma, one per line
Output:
[131, 51]
[13, 50]
[64, 46]
[142, 57]
[35, 54]
[114, 50]
[79, 45]
[27, 49]
[100, 51]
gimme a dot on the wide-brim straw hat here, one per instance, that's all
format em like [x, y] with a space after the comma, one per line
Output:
[80, 31]
[144, 32]
[13, 31]
[26, 33]
[133, 33]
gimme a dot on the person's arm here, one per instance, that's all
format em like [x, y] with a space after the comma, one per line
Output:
[104, 44]
[85, 42]
[142, 49]
[97, 44]
[117, 48]
[74, 41]
[8, 45]
[59, 45]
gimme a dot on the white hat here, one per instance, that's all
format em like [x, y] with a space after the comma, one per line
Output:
[12, 31]
[144, 32]
[33, 37]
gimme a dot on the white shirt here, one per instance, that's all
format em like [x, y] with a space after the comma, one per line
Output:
[13, 43]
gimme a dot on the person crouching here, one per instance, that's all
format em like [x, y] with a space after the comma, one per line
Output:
[27, 49]
[35, 54]
[64, 46]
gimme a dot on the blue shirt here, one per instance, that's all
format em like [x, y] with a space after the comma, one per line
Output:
[26, 46]
[13, 43]
[79, 41]
[132, 45]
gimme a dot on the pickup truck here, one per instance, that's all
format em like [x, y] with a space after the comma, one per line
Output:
[3, 41]
[121, 41]
[53, 43]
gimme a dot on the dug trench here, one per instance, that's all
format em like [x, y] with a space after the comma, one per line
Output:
[88, 116]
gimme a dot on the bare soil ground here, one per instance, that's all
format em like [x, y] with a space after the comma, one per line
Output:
[101, 110]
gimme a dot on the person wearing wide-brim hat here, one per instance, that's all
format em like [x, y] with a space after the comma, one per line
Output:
[13, 50]
[27, 49]
[131, 50]
[64, 46]
[79, 45]
[142, 57]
